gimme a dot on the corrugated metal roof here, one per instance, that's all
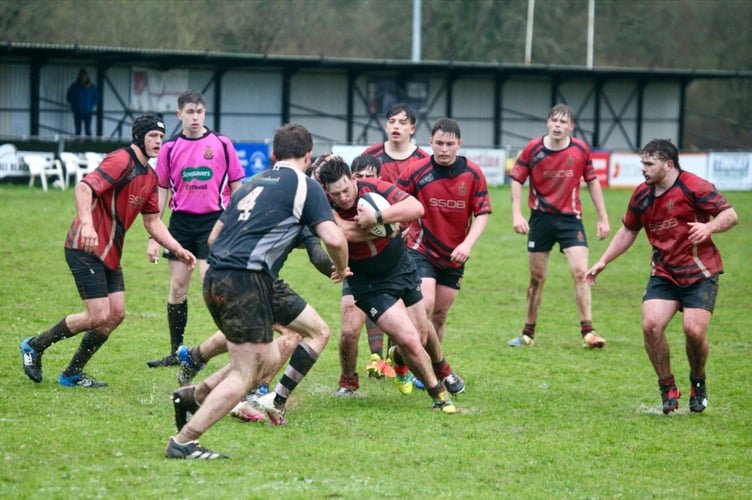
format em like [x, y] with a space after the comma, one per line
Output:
[170, 58]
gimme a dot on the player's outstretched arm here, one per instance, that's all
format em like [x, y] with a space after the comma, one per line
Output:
[317, 256]
[336, 247]
[156, 228]
[152, 247]
[623, 239]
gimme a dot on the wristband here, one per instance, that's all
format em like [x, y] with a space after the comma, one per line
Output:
[379, 218]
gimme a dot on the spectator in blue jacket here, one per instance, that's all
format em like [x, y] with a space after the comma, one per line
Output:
[83, 97]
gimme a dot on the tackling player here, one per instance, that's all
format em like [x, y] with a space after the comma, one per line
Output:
[245, 298]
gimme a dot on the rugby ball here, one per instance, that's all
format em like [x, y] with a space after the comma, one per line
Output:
[375, 201]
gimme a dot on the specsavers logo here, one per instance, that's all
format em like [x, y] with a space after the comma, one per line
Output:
[197, 174]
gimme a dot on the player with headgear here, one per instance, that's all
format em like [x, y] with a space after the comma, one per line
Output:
[141, 127]
[108, 200]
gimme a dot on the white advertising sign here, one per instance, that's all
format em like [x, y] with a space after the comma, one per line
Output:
[626, 170]
[730, 171]
[348, 153]
[491, 161]
[697, 163]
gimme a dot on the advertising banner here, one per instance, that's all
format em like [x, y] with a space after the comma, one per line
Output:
[348, 153]
[730, 171]
[600, 163]
[254, 156]
[626, 170]
[697, 163]
[491, 161]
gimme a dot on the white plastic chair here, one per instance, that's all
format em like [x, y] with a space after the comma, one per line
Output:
[92, 160]
[74, 166]
[42, 167]
[7, 150]
[8, 159]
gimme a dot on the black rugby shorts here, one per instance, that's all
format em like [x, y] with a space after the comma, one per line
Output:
[93, 279]
[241, 303]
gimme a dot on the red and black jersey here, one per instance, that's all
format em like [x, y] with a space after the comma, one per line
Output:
[391, 168]
[554, 175]
[377, 256]
[451, 197]
[665, 219]
[122, 188]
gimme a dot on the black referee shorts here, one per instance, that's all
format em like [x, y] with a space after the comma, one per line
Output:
[192, 232]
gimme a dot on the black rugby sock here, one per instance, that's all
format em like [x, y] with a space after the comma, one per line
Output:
[58, 332]
[90, 344]
[177, 318]
[529, 330]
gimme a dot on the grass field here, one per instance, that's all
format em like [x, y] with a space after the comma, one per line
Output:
[553, 420]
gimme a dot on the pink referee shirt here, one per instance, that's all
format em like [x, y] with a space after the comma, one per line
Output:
[198, 172]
